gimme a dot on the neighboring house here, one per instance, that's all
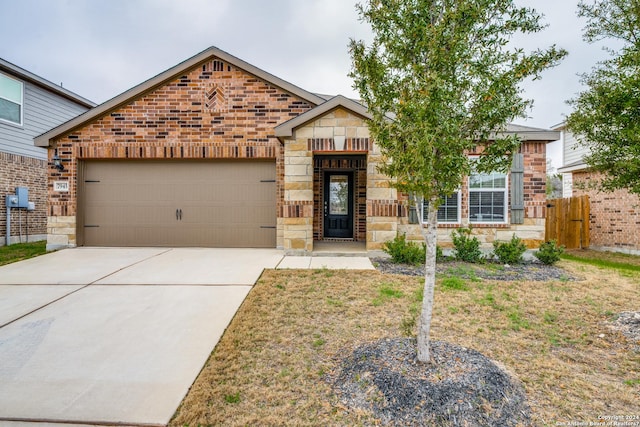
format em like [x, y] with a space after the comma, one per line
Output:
[29, 106]
[216, 152]
[614, 216]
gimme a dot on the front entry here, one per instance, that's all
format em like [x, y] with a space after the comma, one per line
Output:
[338, 204]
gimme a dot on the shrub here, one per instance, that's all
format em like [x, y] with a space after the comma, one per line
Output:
[405, 252]
[549, 252]
[509, 252]
[467, 248]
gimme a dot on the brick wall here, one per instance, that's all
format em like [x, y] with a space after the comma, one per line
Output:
[215, 110]
[614, 217]
[531, 231]
[357, 164]
[21, 171]
[535, 180]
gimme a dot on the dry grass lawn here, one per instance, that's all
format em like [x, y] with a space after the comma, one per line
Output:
[272, 365]
[615, 257]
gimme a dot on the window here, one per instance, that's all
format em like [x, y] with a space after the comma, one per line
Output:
[449, 210]
[10, 100]
[488, 197]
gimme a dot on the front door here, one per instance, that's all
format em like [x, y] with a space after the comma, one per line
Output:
[338, 204]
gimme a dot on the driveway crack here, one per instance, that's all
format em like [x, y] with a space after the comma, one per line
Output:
[131, 265]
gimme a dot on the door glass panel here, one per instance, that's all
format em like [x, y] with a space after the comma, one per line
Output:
[338, 195]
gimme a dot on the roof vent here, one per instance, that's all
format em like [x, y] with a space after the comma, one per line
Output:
[218, 65]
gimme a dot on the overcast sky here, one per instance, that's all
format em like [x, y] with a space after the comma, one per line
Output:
[99, 49]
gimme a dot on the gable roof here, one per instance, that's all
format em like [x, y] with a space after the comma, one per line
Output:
[525, 133]
[286, 129]
[166, 76]
[12, 69]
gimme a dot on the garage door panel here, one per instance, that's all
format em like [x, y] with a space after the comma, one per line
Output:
[209, 204]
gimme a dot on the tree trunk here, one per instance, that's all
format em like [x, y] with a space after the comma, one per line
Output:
[424, 323]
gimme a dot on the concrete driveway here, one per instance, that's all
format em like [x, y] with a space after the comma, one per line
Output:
[106, 336]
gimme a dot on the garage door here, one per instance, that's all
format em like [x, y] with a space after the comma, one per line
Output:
[185, 203]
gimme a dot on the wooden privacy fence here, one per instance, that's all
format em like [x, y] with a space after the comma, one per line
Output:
[567, 222]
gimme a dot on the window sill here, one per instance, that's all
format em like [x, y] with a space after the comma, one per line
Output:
[474, 225]
[12, 124]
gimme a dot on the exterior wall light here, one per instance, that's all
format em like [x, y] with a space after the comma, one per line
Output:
[57, 163]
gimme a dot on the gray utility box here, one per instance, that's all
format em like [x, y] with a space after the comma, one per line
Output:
[23, 197]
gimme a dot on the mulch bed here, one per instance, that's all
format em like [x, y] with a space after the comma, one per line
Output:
[459, 387]
[533, 271]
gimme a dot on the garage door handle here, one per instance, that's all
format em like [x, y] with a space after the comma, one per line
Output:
[177, 214]
[180, 214]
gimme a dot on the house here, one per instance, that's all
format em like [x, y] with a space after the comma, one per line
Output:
[217, 152]
[614, 216]
[29, 106]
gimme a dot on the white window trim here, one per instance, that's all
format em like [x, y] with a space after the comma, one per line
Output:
[21, 124]
[505, 208]
[424, 204]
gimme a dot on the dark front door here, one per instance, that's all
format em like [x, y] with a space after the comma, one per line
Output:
[338, 204]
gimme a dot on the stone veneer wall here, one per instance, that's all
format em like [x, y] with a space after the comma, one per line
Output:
[212, 111]
[614, 217]
[323, 137]
[22, 171]
[531, 231]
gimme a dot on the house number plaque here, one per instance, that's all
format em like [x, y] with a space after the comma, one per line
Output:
[61, 186]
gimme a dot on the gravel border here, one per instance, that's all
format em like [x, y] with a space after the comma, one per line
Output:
[460, 387]
[628, 323]
[490, 271]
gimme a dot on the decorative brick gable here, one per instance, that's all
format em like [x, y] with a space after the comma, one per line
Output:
[213, 110]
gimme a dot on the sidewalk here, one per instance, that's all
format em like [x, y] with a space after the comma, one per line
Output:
[328, 262]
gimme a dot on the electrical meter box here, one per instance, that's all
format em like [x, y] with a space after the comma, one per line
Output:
[12, 201]
[23, 197]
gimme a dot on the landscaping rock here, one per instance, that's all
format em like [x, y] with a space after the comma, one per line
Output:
[628, 322]
[460, 387]
[490, 271]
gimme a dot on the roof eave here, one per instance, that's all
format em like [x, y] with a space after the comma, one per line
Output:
[535, 136]
[157, 81]
[285, 130]
[573, 168]
[12, 69]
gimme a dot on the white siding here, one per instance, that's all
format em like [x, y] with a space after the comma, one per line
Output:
[573, 151]
[43, 110]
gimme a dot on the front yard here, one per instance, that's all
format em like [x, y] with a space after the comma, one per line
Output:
[21, 251]
[274, 364]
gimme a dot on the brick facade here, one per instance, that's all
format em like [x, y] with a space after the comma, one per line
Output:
[531, 231]
[213, 111]
[216, 110]
[21, 171]
[614, 216]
